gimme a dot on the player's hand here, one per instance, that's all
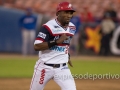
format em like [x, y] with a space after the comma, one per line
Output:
[62, 38]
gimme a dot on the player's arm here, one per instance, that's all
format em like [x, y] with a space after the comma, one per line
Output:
[44, 42]
[49, 44]
[41, 46]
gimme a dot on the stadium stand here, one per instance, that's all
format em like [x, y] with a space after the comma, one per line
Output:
[96, 7]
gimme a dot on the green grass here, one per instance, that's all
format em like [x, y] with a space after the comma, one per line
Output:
[23, 67]
[16, 67]
[96, 67]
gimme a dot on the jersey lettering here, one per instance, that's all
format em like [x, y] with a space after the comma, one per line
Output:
[42, 76]
[42, 35]
[28, 20]
[58, 48]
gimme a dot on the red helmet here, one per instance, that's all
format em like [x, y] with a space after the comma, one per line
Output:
[65, 6]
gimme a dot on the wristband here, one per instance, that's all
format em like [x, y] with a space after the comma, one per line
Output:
[52, 43]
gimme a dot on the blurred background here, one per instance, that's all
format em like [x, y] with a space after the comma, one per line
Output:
[97, 22]
[95, 47]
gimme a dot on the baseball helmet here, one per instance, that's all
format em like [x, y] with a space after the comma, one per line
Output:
[65, 6]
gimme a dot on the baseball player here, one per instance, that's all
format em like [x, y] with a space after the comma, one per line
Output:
[52, 43]
[27, 25]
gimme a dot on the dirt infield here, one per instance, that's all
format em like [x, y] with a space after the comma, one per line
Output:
[23, 84]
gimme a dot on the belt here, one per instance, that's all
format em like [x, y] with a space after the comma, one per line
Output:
[55, 65]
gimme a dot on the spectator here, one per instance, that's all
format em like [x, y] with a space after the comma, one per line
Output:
[28, 26]
[74, 42]
[107, 27]
[86, 15]
[111, 12]
[98, 14]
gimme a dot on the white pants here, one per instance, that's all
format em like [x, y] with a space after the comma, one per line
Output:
[28, 37]
[43, 73]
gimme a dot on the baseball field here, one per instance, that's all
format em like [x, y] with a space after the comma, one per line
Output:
[89, 72]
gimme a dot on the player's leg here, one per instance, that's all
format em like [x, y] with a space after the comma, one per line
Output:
[31, 41]
[25, 37]
[64, 79]
[40, 78]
